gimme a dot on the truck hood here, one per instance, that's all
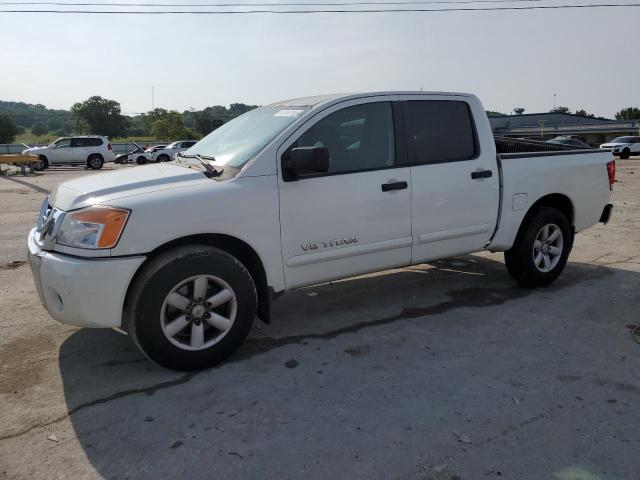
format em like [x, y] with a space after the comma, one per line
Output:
[107, 188]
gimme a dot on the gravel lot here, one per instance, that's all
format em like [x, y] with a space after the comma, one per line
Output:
[442, 371]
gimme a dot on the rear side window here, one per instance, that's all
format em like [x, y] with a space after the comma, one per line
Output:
[439, 131]
[358, 138]
[86, 142]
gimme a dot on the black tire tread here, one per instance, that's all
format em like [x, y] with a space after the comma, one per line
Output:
[145, 278]
[519, 260]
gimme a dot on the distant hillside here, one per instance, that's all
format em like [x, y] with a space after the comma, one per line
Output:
[26, 115]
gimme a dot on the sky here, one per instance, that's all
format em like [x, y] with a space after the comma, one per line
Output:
[589, 58]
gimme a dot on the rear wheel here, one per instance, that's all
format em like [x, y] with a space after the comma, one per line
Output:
[541, 249]
[191, 307]
[95, 162]
[163, 158]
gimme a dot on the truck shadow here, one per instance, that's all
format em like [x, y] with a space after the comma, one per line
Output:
[276, 394]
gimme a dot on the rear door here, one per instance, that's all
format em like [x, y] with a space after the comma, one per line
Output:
[355, 218]
[454, 177]
[79, 147]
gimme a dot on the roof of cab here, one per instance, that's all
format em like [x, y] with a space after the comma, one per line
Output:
[318, 100]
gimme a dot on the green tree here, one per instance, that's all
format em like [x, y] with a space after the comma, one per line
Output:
[206, 125]
[169, 126]
[100, 116]
[8, 130]
[629, 113]
[39, 128]
[583, 113]
[54, 124]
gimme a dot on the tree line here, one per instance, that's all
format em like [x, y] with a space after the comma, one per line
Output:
[102, 116]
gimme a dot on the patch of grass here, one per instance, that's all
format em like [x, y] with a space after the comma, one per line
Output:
[30, 138]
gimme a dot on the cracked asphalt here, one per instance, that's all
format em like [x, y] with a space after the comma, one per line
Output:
[442, 371]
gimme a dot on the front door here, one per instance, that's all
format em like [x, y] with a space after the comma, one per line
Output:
[62, 152]
[455, 178]
[356, 218]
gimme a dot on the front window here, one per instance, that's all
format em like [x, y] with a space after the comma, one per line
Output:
[358, 138]
[61, 143]
[237, 141]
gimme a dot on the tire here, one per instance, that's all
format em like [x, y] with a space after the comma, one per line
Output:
[163, 158]
[41, 164]
[625, 154]
[152, 307]
[141, 160]
[95, 161]
[531, 260]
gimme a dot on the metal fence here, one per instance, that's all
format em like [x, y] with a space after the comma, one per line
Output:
[12, 148]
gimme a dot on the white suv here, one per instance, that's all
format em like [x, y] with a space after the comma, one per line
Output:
[167, 153]
[92, 151]
[623, 147]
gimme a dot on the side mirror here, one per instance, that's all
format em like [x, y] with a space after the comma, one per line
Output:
[305, 161]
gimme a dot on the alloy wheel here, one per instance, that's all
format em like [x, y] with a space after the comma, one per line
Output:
[547, 248]
[198, 312]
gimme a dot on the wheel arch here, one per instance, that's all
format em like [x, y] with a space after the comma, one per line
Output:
[231, 245]
[560, 202]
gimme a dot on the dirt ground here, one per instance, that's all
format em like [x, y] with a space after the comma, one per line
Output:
[442, 371]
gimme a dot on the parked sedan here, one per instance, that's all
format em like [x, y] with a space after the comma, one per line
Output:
[131, 156]
[166, 154]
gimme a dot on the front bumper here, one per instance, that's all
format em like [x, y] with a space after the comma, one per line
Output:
[85, 292]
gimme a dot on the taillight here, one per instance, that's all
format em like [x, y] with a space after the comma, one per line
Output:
[109, 147]
[611, 171]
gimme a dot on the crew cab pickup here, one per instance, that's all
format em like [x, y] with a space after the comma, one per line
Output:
[184, 255]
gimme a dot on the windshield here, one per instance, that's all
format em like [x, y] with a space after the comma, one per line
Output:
[236, 142]
[622, 140]
[173, 145]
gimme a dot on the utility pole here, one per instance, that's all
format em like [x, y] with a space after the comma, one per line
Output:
[554, 101]
[153, 100]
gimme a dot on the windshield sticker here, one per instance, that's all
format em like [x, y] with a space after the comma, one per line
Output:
[287, 113]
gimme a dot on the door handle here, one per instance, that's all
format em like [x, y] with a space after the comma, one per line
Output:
[386, 187]
[481, 174]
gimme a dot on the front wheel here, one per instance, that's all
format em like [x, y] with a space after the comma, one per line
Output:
[191, 307]
[541, 249]
[625, 154]
[41, 164]
[141, 160]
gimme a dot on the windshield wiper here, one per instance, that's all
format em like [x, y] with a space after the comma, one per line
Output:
[211, 171]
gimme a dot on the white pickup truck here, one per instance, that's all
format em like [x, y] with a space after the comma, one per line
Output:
[184, 255]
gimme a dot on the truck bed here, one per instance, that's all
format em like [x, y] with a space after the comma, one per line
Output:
[531, 169]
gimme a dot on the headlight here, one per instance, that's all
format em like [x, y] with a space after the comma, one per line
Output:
[93, 227]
